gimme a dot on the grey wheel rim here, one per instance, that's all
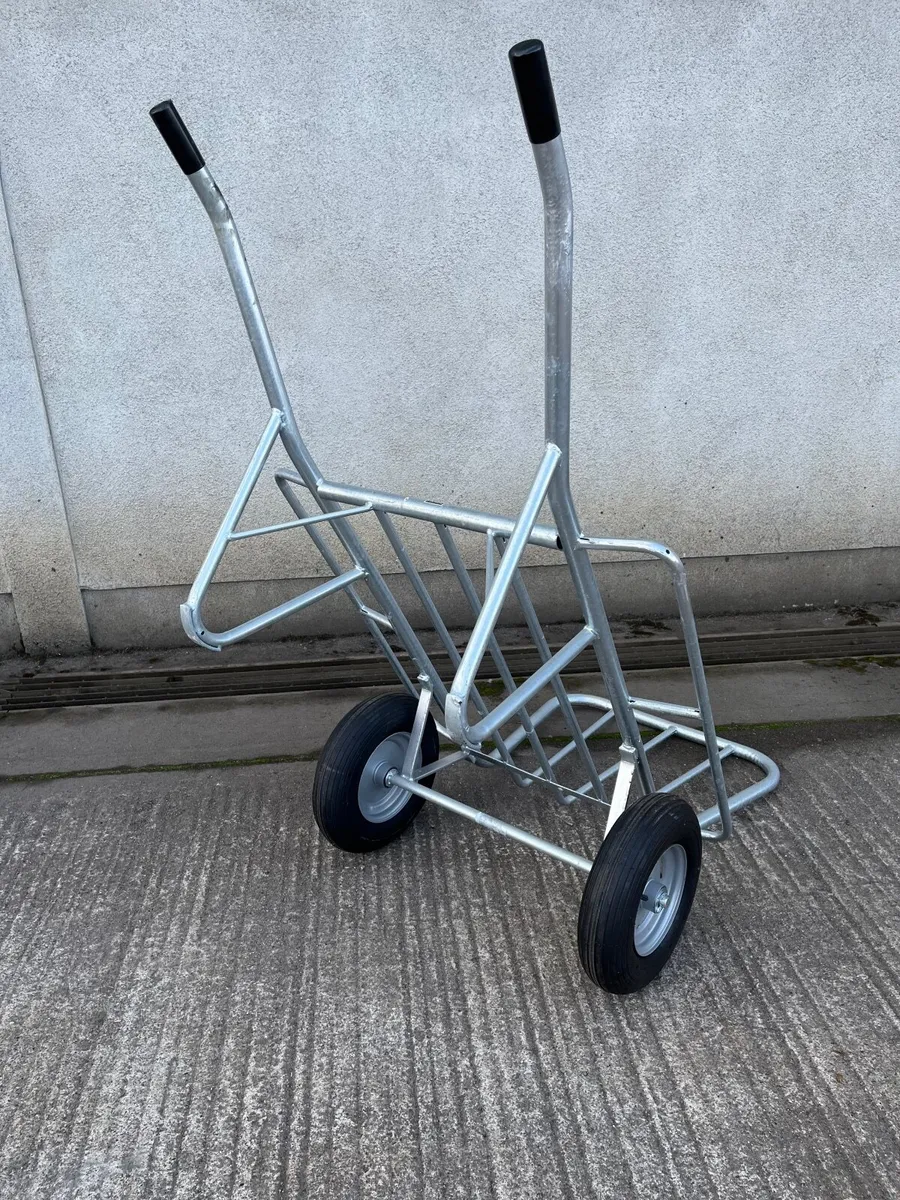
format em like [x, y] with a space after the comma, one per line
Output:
[377, 801]
[660, 900]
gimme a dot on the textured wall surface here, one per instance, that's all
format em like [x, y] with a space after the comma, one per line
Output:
[736, 171]
[38, 576]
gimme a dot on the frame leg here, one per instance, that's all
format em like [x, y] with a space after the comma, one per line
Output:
[418, 729]
[622, 788]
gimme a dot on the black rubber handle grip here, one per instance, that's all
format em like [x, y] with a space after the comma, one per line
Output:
[167, 120]
[532, 76]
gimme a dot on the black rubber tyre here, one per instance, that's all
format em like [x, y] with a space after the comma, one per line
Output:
[609, 907]
[336, 789]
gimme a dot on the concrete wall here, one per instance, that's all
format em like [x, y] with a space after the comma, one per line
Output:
[736, 176]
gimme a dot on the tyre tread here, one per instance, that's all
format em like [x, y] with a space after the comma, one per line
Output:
[334, 794]
[606, 920]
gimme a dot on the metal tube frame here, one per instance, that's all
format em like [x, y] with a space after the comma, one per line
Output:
[506, 539]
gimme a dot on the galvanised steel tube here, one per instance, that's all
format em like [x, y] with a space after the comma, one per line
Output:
[458, 696]
[440, 514]
[493, 823]
[232, 251]
[177, 137]
[244, 289]
[556, 189]
[191, 611]
[553, 172]
[568, 713]
[493, 648]
[255, 624]
[235, 509]
[284, 479]
[695, 657]
[425, 599]
[536, 682]
[270, 372]
[532, 78]
[709, 816]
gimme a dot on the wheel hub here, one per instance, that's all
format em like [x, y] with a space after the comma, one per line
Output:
[660, 900]
[378, 796]
[383, 773]
[656, 896]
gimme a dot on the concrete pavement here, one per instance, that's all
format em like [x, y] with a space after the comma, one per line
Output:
[201, 999]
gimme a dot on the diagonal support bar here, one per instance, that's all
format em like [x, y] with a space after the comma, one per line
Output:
[526, 691]
[457, 698]
[418, 729]
[468, 590]
[493, 823]
[622, 789]
[191, 611]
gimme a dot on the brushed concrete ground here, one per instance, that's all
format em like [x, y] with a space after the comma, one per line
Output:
[201, 999]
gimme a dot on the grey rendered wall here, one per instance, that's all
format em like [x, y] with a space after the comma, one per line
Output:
[736, 173]
[41, 605]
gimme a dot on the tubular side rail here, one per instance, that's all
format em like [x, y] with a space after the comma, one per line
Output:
[443, 514]
[668, 556]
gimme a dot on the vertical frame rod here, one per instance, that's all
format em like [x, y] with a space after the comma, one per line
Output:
[434, 615]
[468, 588]
[553, 172]
[537, 633]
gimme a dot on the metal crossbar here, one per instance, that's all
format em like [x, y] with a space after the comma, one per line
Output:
[434, 615]
[315, 519]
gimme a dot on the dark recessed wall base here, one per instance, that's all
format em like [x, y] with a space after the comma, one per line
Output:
[148, 617]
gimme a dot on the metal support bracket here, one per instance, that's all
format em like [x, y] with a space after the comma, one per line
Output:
[418, 729]
[628, 760]
[191, 615]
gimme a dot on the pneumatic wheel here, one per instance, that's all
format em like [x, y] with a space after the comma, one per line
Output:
[639, 892]
[353, 805]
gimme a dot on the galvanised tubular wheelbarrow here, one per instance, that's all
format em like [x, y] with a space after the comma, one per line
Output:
[379, 766]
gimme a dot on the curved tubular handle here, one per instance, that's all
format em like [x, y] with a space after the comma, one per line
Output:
[532, 76]
[167, 120]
